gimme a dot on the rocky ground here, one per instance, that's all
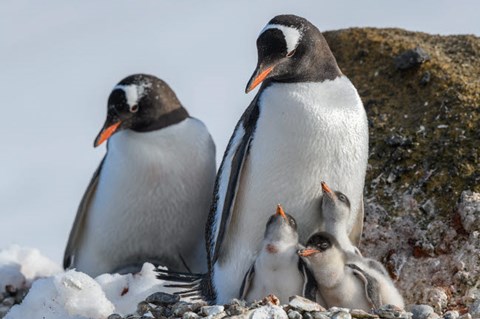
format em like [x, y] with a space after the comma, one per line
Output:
[422, 96]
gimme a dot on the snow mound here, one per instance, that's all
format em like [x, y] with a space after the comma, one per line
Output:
[19, 266]
[72, 295]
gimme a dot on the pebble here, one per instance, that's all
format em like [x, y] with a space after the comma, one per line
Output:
[411, 58]
[114, 316]
[235, 309]
[474, 309]
[341, 315]
[392, 312]
[423, 312]
[293, 314]
[9, 301]
[452, 314]
[307, 315]
[359, 313]
[181, 307]
[190, 315]
[157, 312]
[319, 315]
[211, 310]
[466, 316]
[304, 304]
[269, 312]
[162, 299]
[143, 308]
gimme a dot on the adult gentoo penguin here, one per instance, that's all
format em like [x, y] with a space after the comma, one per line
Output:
[306, 123]
[149, 198]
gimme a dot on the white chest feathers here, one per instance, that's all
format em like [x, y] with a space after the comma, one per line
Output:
[152, 198]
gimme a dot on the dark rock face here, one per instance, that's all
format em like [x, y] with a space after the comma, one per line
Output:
[424, 153]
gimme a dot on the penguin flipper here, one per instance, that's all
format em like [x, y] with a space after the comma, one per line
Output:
[228, 180]
[79, 223]
[356, 232]
[372, 287]
[247, 282]
[310, 288]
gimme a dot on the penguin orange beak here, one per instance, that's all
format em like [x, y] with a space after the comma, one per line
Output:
[281, 212]
[106, 132]
[258, 77]
[308, 252]
[327, 190]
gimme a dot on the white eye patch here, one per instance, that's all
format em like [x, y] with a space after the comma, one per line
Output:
[133, 93]
[292, 35]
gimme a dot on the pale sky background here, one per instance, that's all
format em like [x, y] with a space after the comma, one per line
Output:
[60, 59]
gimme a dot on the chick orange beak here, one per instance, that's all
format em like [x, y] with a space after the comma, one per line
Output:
[106, 133]
[258, 77]
[281, 212]
[327, 190]
[307, 252]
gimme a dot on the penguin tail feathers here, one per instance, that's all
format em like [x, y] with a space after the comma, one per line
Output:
[190, 285]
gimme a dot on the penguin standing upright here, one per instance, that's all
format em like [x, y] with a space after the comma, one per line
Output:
[150, 196]
[306, 123]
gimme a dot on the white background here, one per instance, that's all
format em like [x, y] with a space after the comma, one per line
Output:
[60, 59]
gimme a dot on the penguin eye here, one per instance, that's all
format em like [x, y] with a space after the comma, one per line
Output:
[342, 198]
[134, 108]
[291, 53]
[292, 223]
[323, 245]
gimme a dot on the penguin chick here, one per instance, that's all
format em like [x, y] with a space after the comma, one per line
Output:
[346, 279]
[278, 269]
[336, 211]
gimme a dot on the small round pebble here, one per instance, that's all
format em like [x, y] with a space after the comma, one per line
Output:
[319, 315]
[142, 308]
[114, 316]
[293, 314]
[190, 315]
[423, 312]
[9, 301]
[341, 315]
[157, 312]
[211, 310]
[452, 314]
[162, 299]
[304, 304]
[307, 315]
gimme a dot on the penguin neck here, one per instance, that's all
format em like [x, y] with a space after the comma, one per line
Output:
[276, 253]
[329, 271]
[173, 117]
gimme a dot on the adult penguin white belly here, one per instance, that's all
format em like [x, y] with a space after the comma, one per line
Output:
[306, 124]
[149, 199]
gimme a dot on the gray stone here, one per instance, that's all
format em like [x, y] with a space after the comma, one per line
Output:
[337, 309]
[392, 312]
[239, 302]
[9, 301]
[411, 58]
[132, 316]
[211, 310]
[293, 314]
[319, 315]
[474, 309]
[142, 308]
[466, 316]
[269, 312]
[162, 299]
[180, 308]
[157, 312]
[452, 314]
[235, 309]
[190, 315]
[114, 316]
[307, 315]
[341, 315]
[469, 210]
[361, 314]
[304, 304]
[423, 312]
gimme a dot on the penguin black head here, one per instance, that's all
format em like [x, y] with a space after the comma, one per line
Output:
[142, 103]
[291, 49]
[320, 242]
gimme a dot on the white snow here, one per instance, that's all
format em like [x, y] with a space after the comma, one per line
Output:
[292, 35]
[72, 294]
[19, 266]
